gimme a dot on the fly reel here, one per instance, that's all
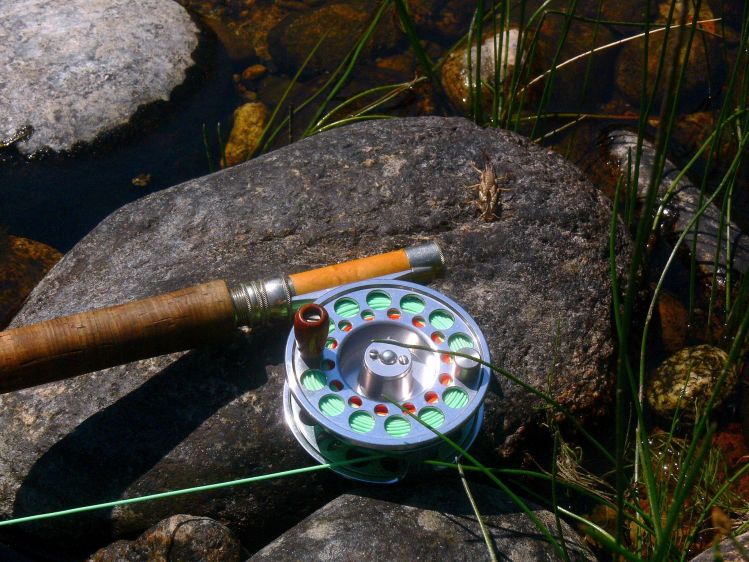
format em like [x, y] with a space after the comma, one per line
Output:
[351, 397]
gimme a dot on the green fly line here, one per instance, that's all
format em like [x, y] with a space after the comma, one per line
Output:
[184, 491]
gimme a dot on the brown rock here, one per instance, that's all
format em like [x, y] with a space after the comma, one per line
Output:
[674, 319]
[181, 538]
[448, 18]
[704, 68]
[249, 121]
[23, 263]
[570, 87]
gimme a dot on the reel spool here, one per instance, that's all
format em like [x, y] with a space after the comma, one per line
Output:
[338, 405]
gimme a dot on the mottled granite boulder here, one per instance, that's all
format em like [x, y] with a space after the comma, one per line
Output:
[71, 71]
[424, 523]
[181, 538]
[536, 281]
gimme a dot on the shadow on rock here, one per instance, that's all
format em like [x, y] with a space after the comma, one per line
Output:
[111, 450]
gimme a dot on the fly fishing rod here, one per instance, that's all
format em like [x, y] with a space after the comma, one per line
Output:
[356, 387]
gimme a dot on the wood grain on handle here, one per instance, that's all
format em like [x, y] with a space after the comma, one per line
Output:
[93, 340]
[350, 271]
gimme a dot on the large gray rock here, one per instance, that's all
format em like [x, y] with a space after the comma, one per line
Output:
[536, 281]
[426, 523]
[74, 70]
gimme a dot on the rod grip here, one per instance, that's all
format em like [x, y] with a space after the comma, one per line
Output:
[93, 340]
[350, 271]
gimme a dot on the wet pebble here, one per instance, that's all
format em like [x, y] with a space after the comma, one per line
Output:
[253, 72]
[249, 121]
[685, 381]
[674, 319]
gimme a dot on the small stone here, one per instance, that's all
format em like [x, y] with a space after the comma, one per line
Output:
[726, 550]
[685, 381]
[253, 72]
[180, 538]
[249, 122]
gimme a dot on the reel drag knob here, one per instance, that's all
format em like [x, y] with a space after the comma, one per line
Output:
[311, 331]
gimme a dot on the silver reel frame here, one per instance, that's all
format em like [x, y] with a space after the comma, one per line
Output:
[339, 411]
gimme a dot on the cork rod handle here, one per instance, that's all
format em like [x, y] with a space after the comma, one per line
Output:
[350, 271]
[93, 340]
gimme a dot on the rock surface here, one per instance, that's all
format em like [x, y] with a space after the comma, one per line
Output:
[75, 70]
[425, 523]
[536, 281]
[181, 538]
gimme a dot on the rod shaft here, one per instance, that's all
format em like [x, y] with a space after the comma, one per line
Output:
[201, 315]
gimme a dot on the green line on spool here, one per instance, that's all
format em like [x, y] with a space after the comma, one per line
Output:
[432, 417]
[459, 341]
[379, 300]
[397, 426]
[441, 319]
[346, 307]
[361, 422]
[331, 405]
[455, 398]
[412, 304]
[313, 380]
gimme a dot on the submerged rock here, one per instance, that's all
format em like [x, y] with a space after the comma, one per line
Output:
[75, 70]
[707, 236]
[423, 523]
[703, 60]
[536, 281]
[23, 263]
[341, 26]
[181, 538]
[455, 76]
[685, 381]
